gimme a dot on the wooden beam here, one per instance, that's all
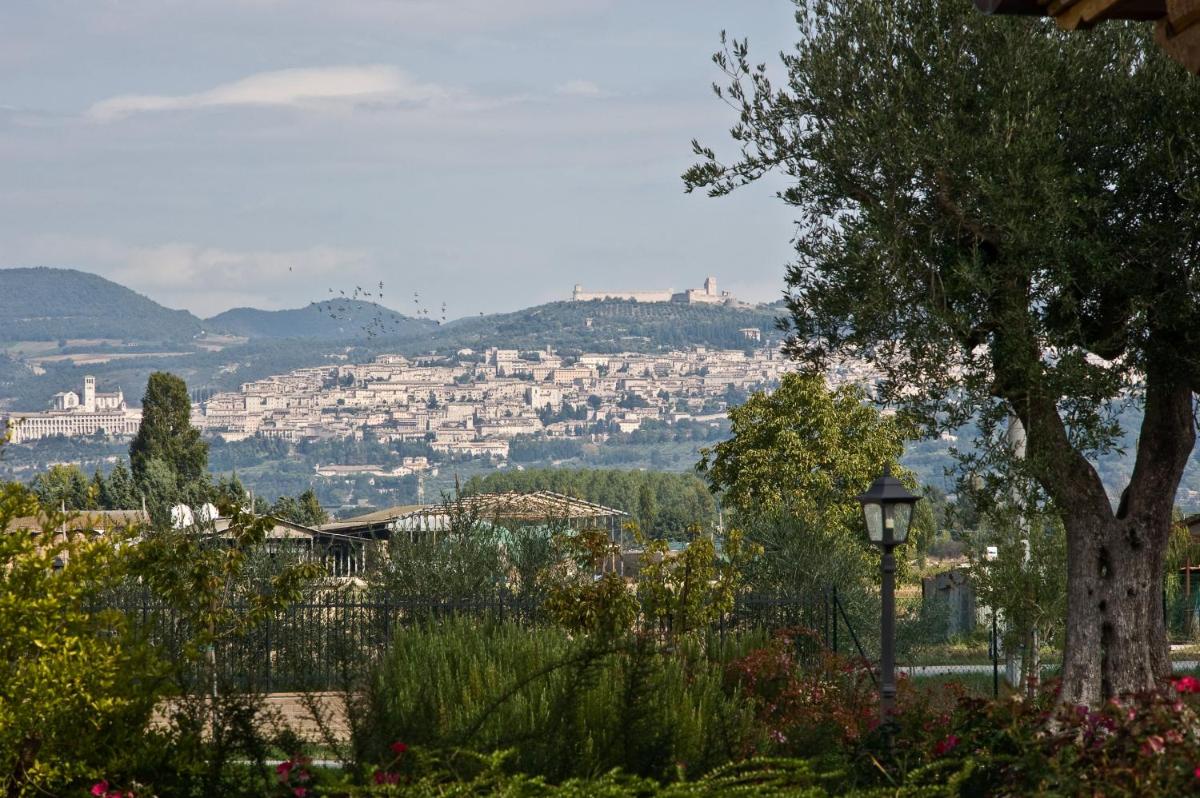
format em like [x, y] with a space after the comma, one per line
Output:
[1141, 10]
[1035, 8]
[1181, 15]
[1079, 14]
[1181, 45]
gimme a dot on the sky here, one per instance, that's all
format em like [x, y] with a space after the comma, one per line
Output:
[485, 154]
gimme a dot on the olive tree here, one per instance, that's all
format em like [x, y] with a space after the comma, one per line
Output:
[1001, 219]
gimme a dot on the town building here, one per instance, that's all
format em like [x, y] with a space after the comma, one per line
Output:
[71, 416]
[708, 295]
[464, 408]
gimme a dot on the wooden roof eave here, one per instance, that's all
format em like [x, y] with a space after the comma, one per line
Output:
[1078, 14]
[1176, 22]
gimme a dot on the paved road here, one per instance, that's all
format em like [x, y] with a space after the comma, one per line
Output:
[951, 670]
[296, 712]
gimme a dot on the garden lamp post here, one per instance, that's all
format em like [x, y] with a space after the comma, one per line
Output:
[887, 508]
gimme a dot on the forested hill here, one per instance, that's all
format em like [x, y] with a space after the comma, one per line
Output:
[43, 304]
[610, 325]
[58, 324]
[333, 320]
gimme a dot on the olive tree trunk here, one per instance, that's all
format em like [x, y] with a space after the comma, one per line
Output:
[1116, 640]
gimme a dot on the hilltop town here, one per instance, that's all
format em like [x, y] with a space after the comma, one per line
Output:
[468, 405]
[475, 403]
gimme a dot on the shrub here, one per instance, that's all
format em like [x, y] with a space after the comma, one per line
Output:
[567, 707]
[1146, 744]
[75, 688]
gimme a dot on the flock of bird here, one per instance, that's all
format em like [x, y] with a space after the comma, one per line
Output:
[345, 307]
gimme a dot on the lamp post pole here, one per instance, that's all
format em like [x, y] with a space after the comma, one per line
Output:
[887, 648]
[887, 511]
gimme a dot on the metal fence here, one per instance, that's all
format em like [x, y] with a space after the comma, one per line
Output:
[327, 642]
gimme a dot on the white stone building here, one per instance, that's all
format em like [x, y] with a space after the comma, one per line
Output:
[70, 416]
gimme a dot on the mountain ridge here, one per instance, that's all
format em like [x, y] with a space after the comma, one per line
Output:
[341, 319]
[73, 304]
[43, 303]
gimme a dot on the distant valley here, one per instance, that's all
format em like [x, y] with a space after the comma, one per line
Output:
[54, 323]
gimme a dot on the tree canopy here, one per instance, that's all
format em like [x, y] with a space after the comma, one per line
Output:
[166, 433]
[789, 474]
[1002, 219]
[804, 447]
[63, 487]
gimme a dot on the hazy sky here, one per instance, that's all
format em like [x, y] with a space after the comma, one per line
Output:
[486, 153]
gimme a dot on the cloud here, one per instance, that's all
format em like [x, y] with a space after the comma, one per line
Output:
[314, 89]
[207, 280]
[183, 267]
[579, 88]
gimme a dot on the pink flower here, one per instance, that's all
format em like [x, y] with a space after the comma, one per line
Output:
[1153, 745]
[398, 747]
[99, 788]
[1196, 772]
[1187, 684]
[284, 768]
[386, 777]
[300, 792]
[946, 745]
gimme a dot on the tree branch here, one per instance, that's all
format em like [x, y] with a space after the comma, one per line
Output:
[1167, 437]
[1063, 471]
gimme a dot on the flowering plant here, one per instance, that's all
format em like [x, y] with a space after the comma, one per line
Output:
[295, 779]
[810, 705]
[1146, 744]
[391, 774]
[102, 789]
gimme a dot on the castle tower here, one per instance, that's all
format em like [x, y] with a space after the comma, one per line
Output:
[578, 290]
[710, 286]
[89, 394]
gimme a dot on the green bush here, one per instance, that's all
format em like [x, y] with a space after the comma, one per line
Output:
[426, 774]
[76, 688]
[90, 694]
[1140, 745]
[566, 707]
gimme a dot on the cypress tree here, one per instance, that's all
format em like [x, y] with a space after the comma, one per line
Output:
[166, 433]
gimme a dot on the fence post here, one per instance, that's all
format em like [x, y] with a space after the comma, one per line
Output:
[835, 620]
[995, 658]
[269, 652]
[387, 610]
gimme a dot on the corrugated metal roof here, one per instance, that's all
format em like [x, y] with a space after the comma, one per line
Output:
[87, 520]
[542, 505]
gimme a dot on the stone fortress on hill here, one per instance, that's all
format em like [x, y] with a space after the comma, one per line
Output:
[708, 295]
